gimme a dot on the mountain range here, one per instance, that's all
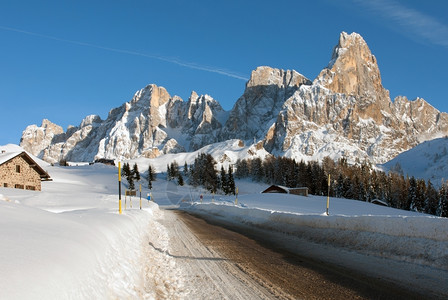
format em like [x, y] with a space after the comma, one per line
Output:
[345, 112]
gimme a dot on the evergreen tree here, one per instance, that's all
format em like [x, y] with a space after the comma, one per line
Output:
[210, 177]
[151, 173]
[302, 174]
[412, 194]
[256, 169]
[128, 174]
[291, 175]
[125, 170]
[340, 188]
[319, 179]
[231, 180]
[269, 170]
[174, 170]
[419, 204]
[151, 176]
[442, 208]
[168, 172]
[180, 179]
[431, 199]
[195, 173]
[348, 188]
[224, 182]
[203, 172]
[135, 172]
[357, 181]
[242, 169]
[186, 169]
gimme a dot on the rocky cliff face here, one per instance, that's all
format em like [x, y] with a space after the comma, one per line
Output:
[347, 112]
[265, 94]
[35, 139]
[344, 112]
[151, 124]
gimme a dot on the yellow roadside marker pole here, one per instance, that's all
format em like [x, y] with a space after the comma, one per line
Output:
[328, 194]
[236, 196]
[119, 188]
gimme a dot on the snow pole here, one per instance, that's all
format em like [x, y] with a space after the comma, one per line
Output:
[125, 199]
[236, 196]
[140, 196]
[119, 188]
[328, 194]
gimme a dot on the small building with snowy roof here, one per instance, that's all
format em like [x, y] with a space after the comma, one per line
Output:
[18, 170]
[300, 191]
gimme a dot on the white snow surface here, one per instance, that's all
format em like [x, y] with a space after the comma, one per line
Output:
[428, 160]
[69, 242]
[355, 225]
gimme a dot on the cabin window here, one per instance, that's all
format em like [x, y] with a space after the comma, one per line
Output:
[17, 168]
[19, 186]
[5, 185]
[30, 187]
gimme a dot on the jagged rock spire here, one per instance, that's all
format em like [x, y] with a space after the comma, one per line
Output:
[353, 70]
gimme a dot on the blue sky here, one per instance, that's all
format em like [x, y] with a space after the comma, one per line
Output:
[64, 60]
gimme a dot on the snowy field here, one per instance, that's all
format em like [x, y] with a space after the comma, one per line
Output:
[69, 242]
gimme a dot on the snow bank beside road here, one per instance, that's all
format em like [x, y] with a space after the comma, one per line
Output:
[355, 225]
[77, 255]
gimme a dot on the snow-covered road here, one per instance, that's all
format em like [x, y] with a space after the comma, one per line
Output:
[205, 261]
[201, 272]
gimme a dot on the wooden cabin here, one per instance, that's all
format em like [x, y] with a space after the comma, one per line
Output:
[18, 170]
[300, 191]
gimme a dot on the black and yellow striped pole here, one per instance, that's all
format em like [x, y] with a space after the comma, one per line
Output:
[140, 196]
[119, 188]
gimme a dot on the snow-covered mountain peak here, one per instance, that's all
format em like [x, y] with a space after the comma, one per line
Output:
[151, 96]
[267, 76]
[347, 43]
[345, 112]
[90, 120]
[353, 70]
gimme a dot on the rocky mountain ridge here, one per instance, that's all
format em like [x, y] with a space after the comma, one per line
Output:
[344, 112]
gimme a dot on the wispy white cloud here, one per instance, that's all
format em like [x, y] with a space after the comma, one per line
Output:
[178, 62]
[411, 22]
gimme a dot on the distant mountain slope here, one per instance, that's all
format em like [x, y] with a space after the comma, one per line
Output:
[345, 112]
[428, 160]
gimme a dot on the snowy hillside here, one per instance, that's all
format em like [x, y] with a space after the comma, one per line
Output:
[224, 153]
[428, 161]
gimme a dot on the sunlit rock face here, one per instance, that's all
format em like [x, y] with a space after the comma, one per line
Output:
[344, 112]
